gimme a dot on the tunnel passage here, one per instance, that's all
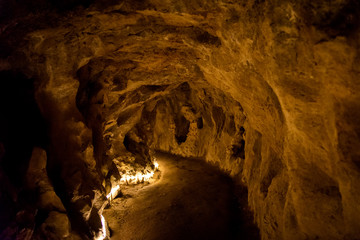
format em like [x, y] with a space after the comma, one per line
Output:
[194, 200]
[267, 91]
[182, 118]
[147, 127]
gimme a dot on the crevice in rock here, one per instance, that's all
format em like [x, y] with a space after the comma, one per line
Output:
[200, 123]
[238, 150]
[181, 128]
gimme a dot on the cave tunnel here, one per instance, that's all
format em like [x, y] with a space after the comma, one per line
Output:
[154, 120]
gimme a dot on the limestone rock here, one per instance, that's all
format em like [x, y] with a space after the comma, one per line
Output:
[267, 90]
[56, 226]
[37, 180]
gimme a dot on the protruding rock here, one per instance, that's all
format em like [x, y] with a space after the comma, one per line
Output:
[38, 181]
[56, 226]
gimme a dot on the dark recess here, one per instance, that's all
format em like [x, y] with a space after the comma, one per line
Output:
[21, 125]
[21, 129]
[206, 38]
[139, 149]
[242, 224]
[200, 123]
[242, 131]
[238, 150]
[181, 128]
[335, 19]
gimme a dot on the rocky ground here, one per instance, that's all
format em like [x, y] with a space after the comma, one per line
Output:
[189, 200]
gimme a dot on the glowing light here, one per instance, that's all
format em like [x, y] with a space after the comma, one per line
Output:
[156, 165]
[125, 179]
[114, 191]
[102, 233]
[139, 176]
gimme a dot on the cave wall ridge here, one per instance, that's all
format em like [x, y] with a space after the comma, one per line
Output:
[266, 90]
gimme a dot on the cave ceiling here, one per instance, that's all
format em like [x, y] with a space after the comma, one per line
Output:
[267, 91]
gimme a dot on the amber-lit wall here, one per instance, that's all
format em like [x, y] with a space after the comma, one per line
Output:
[279, 76]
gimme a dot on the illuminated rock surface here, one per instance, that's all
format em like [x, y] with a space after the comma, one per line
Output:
[268, 91]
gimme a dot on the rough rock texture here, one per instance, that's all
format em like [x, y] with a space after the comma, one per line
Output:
[267, 90]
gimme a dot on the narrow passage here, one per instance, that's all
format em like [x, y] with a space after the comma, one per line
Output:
[190, 200]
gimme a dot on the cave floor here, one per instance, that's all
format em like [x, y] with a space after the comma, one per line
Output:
[190, 200]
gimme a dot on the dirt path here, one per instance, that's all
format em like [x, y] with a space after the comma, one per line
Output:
[191, 200]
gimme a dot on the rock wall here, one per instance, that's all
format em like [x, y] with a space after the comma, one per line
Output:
[268, 90]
